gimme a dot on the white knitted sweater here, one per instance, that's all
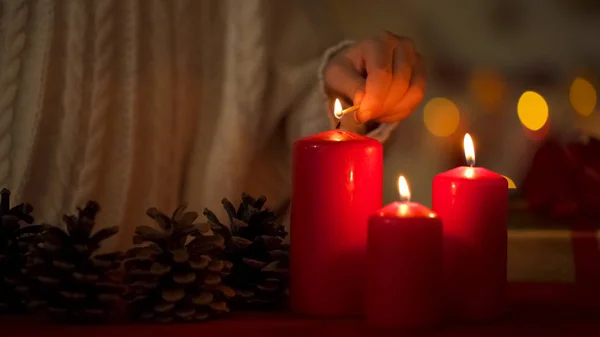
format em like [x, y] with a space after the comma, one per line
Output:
[139, 103]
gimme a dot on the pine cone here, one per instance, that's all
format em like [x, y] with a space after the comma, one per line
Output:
[176, 275]
[69, 280]
[255, 245]
[15, 238]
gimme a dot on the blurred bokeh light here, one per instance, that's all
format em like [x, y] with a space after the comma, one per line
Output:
[441, 116]
[532, 110]
[582, 96]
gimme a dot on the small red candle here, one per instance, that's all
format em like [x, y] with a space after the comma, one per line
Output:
[404, 262]
[336, 185]
[472, 203]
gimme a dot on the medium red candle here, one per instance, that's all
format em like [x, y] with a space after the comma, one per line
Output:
[336, 185]
[472, 203]
[404, 262]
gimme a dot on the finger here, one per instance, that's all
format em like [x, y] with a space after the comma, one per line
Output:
[408, 45]
[416, 91]
[344, 79]
[404, 60]
[413, 96]
[378, 58]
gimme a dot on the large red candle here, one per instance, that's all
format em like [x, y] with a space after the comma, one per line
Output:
[472, 203]
[336, 185]
[404, 262]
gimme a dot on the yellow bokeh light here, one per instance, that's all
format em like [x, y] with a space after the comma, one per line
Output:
[582, 96]
[511, 183]
[441, 116]
[533, 110]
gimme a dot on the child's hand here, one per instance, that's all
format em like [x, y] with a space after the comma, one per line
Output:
[384, 74]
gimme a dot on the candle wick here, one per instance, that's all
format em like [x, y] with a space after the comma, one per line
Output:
[337, 127]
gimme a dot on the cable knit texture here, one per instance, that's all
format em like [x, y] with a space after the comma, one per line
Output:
[72, 109]
[89, 176]
[15, 13]
[243, 85]
[139, 103]
[161, 52]
[30, 104]
[121, 195]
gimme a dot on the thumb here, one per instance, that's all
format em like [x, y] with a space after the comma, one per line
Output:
[360, 115]
[346, 81]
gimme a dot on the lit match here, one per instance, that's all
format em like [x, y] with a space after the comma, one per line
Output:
[338, 112]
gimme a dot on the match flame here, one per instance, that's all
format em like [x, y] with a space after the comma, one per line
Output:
[403, 189]
[469, 150]
[337, 109]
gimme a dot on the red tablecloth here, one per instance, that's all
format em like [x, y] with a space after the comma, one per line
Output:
[536, 310]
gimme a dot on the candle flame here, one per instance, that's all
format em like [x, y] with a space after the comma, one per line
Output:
[469, 150]
[337, 109]
[403, 189]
